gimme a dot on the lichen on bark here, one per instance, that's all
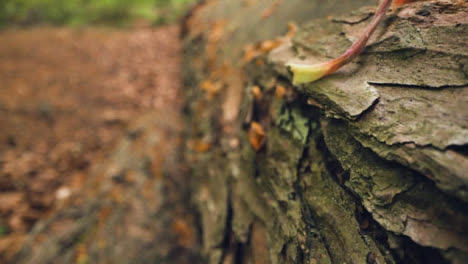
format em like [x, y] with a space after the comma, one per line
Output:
[367, 165]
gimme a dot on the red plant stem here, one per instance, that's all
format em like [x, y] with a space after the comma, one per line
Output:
[403, 2]
[359, 45]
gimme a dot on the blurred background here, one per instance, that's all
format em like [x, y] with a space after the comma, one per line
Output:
[75, 78]
[85, 12]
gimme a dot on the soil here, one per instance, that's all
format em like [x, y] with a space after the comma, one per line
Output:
[66, 97]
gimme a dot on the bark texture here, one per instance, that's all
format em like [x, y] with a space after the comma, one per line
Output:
[368, 165]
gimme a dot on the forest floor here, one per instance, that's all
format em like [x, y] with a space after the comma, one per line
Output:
[66, 98]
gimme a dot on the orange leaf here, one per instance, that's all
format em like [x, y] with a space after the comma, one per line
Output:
[280, 91]
[271, 10]
[257, 93]
[292, 29]
[210, 88]
[250, 52]
[183, 231]
[256, 135]
[268, 45]
[201, 146]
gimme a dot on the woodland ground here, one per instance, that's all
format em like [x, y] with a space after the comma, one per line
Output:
[66, 97]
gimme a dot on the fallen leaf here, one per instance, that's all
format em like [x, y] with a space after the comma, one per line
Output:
[256, 135]
[201, 146]
[183, 231]
[292, 29]
[210, 88]
[280, 91]
[271, 10]
[257, 93]
[254, 50]
[250, 52]
[268, 45]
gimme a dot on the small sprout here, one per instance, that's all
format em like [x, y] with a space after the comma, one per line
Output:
[256, 135]
[304, 73]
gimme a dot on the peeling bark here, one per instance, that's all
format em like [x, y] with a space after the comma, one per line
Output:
[368, 165]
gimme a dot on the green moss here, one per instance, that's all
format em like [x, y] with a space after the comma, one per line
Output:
[371, 178]
[334, 212]
[291, 121]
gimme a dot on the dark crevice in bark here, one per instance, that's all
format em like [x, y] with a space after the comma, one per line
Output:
[309, 219]
[430, 88]
[368, 110]
[412, 252]
[460, 149]
[308, 215]
[197, 223]
[228, 243]
[338, 174]
[301, 256]
[409, 53]
[240, 250]
[283, 251]
[244, 250]
[341, 21]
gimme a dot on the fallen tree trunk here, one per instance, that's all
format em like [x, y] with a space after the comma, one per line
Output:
[368, 165]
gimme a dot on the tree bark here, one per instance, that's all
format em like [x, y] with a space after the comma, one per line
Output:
[368, 165]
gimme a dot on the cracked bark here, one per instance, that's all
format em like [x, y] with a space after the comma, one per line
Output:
[368, 165]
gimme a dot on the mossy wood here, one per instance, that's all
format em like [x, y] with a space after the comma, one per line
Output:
[367, 165]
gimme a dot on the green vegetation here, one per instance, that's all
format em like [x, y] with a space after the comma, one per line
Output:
[83, 12]
[3, 231]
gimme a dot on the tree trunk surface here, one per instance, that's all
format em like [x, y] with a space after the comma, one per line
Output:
[367, 165]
